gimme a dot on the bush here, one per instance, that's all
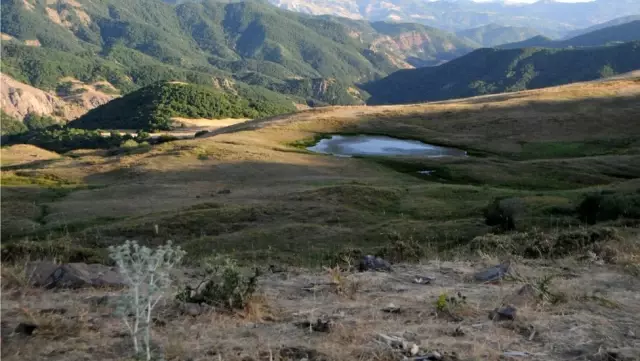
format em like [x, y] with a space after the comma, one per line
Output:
[606, 206]
[503, 212]
[147, 273]
[200, 133]
[227, 287]
[35, 121]
[10, 125]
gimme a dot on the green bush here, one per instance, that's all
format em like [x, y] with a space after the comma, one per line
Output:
[503, 213]
[10, 125]
[36, 121]
[227, 286]
[606, 206]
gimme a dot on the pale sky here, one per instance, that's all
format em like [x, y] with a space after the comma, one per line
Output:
[532, 1]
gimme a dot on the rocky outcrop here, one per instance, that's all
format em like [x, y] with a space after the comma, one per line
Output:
[18, 100]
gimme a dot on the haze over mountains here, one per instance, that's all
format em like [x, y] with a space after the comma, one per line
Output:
[457, 15]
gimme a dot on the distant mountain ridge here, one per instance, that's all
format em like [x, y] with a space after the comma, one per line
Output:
[629, 31]
[456, 15]
[490, 71]
[493, 34]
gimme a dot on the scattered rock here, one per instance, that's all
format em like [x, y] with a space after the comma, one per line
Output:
[623, 354]
[494, 274]
[224, 191]
[191, 309]
[516, 354]
[423, 280]
[300, 353]
[526, 295]
[277, 269]
[507, 313]
[371, 263]
[25, 328]
[391, 308]
[319, 326]
[458, 332]
[53, 311]
[73, 275]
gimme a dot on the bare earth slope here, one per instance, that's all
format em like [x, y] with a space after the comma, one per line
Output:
[19, 99]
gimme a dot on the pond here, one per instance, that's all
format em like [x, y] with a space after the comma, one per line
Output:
[341, 145]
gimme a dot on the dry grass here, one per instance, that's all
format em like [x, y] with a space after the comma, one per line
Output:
[599, 314]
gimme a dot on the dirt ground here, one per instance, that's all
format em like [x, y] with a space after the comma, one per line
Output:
[586, 312]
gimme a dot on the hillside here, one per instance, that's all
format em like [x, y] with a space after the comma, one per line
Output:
[152, 107]
[493, 34]
[131, 45]
[488, 71]
[19, 100]
[629, 31]
[606, 24]
[552, 160]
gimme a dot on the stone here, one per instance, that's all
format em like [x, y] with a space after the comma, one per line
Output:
[191, 309]
[391, 308]
[503, 314]
[423, 280]
[319, 326]
[371, 263]
[299, 353]
[623, 354]
[25, 328]
[525, 296]
[74, 275]
[493, 274]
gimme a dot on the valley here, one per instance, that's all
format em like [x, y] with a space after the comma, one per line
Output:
[443, 180]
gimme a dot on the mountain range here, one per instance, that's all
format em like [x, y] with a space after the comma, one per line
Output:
[547, 17]
[489, 71]
[262, 54]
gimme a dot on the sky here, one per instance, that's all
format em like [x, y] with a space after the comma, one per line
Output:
[532, 1]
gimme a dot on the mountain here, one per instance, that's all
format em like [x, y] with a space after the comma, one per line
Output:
[487, 71]
[493, 34]
[614, 34]
[618, 21]
[546, 17]
[139, 43]
[152, 107]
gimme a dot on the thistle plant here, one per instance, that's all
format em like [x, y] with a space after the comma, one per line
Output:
[146, 272]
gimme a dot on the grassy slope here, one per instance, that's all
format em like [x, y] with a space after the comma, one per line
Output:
[248, 191]
[487, 71]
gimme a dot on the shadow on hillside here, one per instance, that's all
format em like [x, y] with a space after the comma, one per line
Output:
[529, 114]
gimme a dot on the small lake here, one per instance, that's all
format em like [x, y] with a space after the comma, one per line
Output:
[341, 145]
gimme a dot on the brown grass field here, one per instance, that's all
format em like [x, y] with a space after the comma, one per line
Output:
[253, 192]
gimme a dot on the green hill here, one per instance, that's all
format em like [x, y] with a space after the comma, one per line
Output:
[629, 31]
[493, 34]
[135, 44]
[487, 71]
[152, 107]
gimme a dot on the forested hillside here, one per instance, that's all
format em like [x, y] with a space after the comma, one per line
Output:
[488, 71]
[135, 44]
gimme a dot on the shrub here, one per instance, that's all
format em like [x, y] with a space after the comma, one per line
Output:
[503, 212]
[200, 133]
[606, 206]
[35, 121]
[147, 273]
[227, 286]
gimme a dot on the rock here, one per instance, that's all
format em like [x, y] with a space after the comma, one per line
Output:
[623, 354]
[423, 280]
[503, 313]
[391, 308]
[53, 311]
[493, 274]
[25, 328]
[73, 275]
[100, 300]
[526, 295]
[224, 191]
[191, 309]
[319, 326]
[299, 353]
[458, 332]
[371, 263]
